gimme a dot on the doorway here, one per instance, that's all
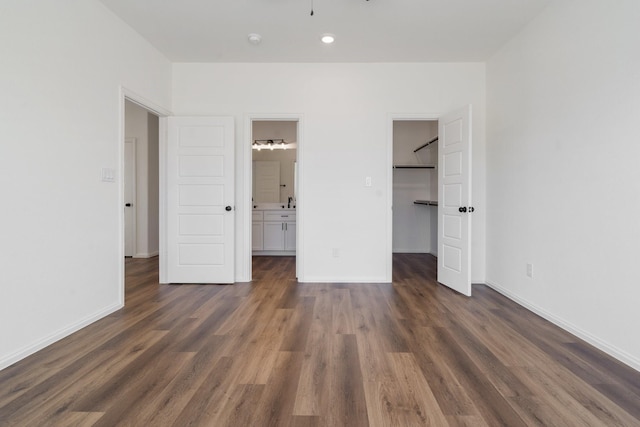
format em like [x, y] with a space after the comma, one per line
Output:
[447, 191]
[415, 186]
[140, 160]
[274, 188]
[141, 181]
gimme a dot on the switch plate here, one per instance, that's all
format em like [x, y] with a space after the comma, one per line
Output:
[530, 270]
[108, 175]
[336, 252]
[367, 181]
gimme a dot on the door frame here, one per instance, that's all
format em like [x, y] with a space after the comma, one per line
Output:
[126, 94]
[245, 256]
[390, 119]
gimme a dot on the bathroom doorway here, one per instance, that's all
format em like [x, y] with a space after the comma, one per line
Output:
[274, 188]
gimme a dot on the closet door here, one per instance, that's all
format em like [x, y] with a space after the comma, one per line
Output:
[454, 200]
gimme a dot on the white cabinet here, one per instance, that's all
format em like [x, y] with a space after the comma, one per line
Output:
[257, 232]
[257, 236]
[277, 231]
[274, 236]
[279, 236]
[289, 236]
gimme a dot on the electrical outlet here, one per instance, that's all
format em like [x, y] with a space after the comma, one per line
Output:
[530, 270]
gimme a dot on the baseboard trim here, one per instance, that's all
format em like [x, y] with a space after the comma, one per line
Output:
[319, 279]
[146, 255]
[611, 350]
[57, 336]
[273, 253]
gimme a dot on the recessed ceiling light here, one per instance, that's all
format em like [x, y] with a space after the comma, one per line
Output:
[327, 38]
[254, 38]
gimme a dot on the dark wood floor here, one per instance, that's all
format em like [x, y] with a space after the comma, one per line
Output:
[278, 353]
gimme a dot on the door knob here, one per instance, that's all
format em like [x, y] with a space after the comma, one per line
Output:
[471, 209]
[462, 209]
[228, 208]
[128, 205]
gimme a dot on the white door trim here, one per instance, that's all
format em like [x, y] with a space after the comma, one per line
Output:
[389, 238]
[247, 155]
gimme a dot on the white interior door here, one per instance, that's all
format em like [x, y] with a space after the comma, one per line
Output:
[267, 181]
[200, 200]
[129, 196]
[454, 197]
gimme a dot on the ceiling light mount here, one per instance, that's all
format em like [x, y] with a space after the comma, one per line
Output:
[254, 38]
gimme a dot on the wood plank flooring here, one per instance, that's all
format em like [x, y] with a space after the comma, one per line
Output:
[278, 353]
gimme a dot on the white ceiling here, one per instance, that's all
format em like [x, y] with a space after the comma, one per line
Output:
[366, 31]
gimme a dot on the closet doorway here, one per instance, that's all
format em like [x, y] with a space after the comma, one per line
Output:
[431, 184]
[274, 185]
[415, 186]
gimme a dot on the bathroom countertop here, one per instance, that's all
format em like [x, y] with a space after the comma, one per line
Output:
[272, 207]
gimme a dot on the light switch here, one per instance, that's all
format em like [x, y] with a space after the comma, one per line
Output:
[367, 181]
[108, 175]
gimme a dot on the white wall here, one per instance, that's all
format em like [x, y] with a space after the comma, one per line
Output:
[346, 110]
[562, 170]
[275, 129]
[61, 67]
[144, 126]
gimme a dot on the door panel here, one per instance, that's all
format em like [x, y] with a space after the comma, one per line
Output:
[201, 166]
[267, 181]
[200, 187]
[454, 195]
[451, 258]
[200, 225]
[452, 227]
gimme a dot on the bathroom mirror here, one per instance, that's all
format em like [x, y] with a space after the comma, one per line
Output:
[274, 167]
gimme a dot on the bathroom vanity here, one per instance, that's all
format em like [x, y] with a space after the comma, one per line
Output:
[274, 230]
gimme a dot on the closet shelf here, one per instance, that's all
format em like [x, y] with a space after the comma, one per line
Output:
[426, 202]
[414, 166]
[426, 144]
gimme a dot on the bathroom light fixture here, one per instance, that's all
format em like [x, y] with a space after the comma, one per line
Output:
[272, 144]
[254, 38]
[328, 38]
